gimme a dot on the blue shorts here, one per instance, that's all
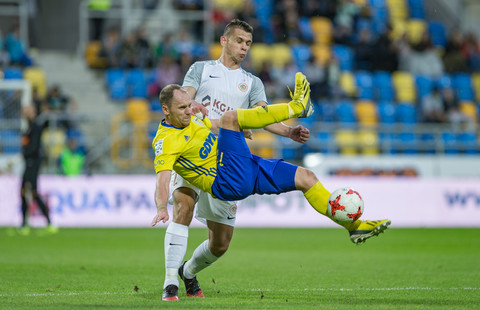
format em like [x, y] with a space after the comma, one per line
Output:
[241, 174]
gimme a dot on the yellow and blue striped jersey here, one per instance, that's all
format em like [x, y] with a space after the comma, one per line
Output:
[190, 151]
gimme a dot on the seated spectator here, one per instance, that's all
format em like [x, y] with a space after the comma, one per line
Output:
[424, 59]
[460, 121]
[129, 51]
[364, 51]
[471, 51]
[166, 47]
[386, 53]
[453, 59]
[145, 57]
[57, 101]
[316, 76]
[72, 158]
[432, 107]
[344, 21]
[16, 49]
[167, 72]
[283, 77]
[111, 46]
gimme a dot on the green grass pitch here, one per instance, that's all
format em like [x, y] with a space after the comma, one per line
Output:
[263, 269]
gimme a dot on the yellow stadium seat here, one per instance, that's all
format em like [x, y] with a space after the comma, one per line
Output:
[404, 86]
[235, 5]
[347, 83]
[322, 29]
[415, 29]
[137, 110]
[259, 53]
[346, 141]
[92, 55]
[36, 77]
[469, 108]
[281, 54]
[366, 112]
[399, 28]
[53, 141]
[397, 9]
[368, 140]
[263, 144]
[215, 50]
[476, 85]
[321, 52]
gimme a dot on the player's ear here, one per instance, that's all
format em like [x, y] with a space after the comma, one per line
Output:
[223, 40]
[165, 110]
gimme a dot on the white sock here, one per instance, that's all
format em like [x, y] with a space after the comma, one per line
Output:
[176, 239]
[201, 259]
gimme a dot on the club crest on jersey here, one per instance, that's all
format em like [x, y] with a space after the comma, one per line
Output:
[207, 146]
[243, 87]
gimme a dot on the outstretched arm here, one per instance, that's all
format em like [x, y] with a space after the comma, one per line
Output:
[162, 187]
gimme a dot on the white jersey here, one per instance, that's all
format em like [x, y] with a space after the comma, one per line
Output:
[221, 89]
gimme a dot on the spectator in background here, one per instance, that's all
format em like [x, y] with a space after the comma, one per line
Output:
[432, 107]
[167, 72]
[471, 51]
[111, 46]
[316, 75]
[57, 101]
[129, 51]
[450, 100]
[386, 52]
[4, 59]
[166, 46]
[16, 49]
[332, 78]
[453, 59]
[347, 11]
[144, 57]
[363, 51]
[72, 158]
[32, 150]
[424, 59]
[284, 76]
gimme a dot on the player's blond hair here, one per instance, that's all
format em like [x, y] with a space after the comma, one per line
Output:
[237, 23]
[166, 95]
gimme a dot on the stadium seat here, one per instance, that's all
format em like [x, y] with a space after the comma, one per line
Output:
[468, 142]
[325, 112]
[416, 9]
[476, 85]
[406, 143]
[438, 34]
[322, 29]
[415, 30]
[346, 141]
[322, 141]
[425, 85]
[280, 55]
[259, 53]
[383, 87]
[399, 28]
[347, 83]
[404, 86]
[449, 140]
[397, 9]
[290, 150]
[215, 50]
[305, 28]
[463, 84]
[364, 85]
[136, 83]
[386, 112]
[263, 144]
[366, 112]
[137, 110]
[301, 54]
[155, 105]
[406, 113]
[345, 112]
[427, 143]
[53, 141]
[92, 55]
[112, 75]
[321, 52]
[10, 141]
[12, 73]
[445, 81]
[118, 89]
[36, 76]
[469, 108]
[344, 55]
[368, 140]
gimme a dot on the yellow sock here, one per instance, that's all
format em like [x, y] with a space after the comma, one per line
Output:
[260, 117]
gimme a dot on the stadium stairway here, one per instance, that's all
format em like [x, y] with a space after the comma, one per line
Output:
[87, 88]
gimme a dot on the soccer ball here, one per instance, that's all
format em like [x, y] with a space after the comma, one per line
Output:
[345, 205]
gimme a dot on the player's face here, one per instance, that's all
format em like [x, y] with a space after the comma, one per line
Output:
[180, 113]
[237, 45]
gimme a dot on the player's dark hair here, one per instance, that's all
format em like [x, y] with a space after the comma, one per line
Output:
[236, 23]
[166, 95]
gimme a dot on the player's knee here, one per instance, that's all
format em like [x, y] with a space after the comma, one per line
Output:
[304, 179]
[219, 248]
[229, 119]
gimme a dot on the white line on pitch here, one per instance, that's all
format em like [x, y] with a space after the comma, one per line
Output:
[250, 290]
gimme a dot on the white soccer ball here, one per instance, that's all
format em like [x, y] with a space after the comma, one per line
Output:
[345, 205]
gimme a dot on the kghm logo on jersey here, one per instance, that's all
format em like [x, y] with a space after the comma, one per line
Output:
[207, 146]
[243, 87]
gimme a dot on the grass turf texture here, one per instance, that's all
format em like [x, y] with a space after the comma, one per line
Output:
[263, 269]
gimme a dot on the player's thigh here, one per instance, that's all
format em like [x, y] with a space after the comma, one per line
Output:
[216, 210]
[219, 235]
[184, 197]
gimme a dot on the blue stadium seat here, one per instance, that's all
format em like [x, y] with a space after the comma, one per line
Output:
[386, 142]
[305, 28]
[382, 82]
[438, 33]
[427, 143]
[468, 142]
[10, 141]
[155, 105]
[345, 57]
[463, 84]
[406, 143]
[322, 141]
[406, 113]
[364, 83]
[118, 89]
[345, 112]
[291, 150]
[417, 9]
[12, 73]
[445, 81]
[113, 75]
[449, 140]
[325, 112]
[136, 83]
[301, 54]
[424, 84]
[386, 112]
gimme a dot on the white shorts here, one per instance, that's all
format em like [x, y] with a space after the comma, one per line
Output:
[208, 208]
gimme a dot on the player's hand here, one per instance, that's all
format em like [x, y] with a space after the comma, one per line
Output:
[248, 134]
[162, 216]
[299, 134]
[199, 108]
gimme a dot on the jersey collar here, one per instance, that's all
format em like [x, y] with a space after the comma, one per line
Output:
[164, 124]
